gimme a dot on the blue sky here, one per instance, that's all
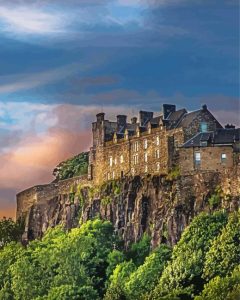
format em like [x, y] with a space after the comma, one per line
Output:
[63, 61]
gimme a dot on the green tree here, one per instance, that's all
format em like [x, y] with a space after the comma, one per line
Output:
[121, 274]
[10, 231]
[77, 258]
[114, 258]
[67, 292]
[183, 275]
[224, 254]
[226, 288]
[8, 256]
[75, 166]
[140, 250]
[144, 279]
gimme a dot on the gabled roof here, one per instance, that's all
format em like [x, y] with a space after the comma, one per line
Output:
[187, 119]
[175, 117]
[214, 138]
[197, 139]
[226, 135]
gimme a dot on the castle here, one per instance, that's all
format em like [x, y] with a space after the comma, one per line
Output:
[192, 148]
[155, 145]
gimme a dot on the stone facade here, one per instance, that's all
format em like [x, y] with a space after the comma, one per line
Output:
[211, 151]
[149, 146]
[211, 159]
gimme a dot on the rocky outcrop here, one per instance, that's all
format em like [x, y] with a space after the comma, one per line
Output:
[161, 206]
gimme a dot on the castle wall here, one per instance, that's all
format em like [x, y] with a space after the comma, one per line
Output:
[210, 159]
[150, 153]
[43, 193]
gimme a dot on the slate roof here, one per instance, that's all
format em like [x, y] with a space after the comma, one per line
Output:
[187, 119]
[156, 120]
[175, 117]
[218, 137]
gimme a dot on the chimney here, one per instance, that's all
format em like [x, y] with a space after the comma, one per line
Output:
[229, 126]
[100, 117]
[144, 117]
[134, 120]
[204, 107]
[121, 121]
[167, 109]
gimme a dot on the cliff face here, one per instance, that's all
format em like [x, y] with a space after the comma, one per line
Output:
[162, 206]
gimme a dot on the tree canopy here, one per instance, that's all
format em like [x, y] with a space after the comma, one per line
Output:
[90, 263]
[75, 166]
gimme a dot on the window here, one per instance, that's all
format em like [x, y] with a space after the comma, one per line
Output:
[158, 167]
[108, 176]
[135, 147]
[223, 157]
[157, 141]
[145, 157]
[204, 127]
[135, 159]
[157, 153]
[197, 157]
[113, 175]
[111, 161]
[146, 169]
[115, 161]
[133, 171]
[145, 144]
[121, 159]
[203, 143]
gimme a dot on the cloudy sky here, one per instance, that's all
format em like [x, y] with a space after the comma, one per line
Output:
[61, 62]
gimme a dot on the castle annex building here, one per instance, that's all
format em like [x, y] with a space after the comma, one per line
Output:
[155, 145]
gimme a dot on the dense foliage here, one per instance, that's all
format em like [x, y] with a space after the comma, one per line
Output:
[75, 166]
[10, 231]
[90, 263]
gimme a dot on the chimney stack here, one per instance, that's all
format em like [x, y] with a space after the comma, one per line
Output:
[144, 117]
[121, 121]
[134, 120]
[100, 117]
[167, 110]
[229, 126]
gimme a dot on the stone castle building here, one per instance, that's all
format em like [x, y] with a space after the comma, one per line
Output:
[191, 144]
[156, 145]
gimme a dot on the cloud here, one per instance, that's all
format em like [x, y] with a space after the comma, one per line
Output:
[30, 159]
[29, 20]
[26, 81]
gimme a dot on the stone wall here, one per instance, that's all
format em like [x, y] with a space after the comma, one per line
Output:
[210, 159]
[42, 193]
[152, 152]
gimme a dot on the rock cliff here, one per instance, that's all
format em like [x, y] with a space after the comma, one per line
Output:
[162, 206]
